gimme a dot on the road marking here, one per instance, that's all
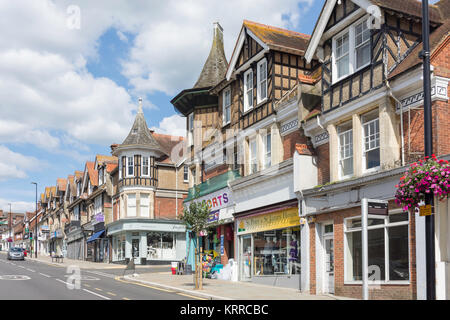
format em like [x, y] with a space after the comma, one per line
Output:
[70, 284]
[99, 295]
[143, 285]
[188, 295]
[102, 274]
[31, 270]
[87, 285]
[98, 289]
[45, 275]
[125, 298]
[113, 294]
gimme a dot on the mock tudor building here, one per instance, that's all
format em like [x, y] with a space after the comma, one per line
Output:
[366, 132]
[148, 196]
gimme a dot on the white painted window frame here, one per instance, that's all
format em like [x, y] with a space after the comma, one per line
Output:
[340, 172]
[253, 158]
[364, 151]
[148, 166]
[386, 226]
[247, 106]
[226, 106]
[128, 166]
[351, 51]
[186, 173]
[267, 153]
[130, 206]
[260, 99]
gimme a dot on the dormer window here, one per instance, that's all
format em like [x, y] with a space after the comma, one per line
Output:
[351, 50]
[248, 90]
[130, 166]
[100, 176]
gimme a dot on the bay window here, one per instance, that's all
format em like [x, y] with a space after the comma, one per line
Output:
[145, 212]
[131, 205]
[262, 81]
[371, 146]
[226, 106]
[351, 50]
[248, 90]
[130, 166]
[145, 166]
[253, 156]
[345, 141]
[267, 150]
[388, 249]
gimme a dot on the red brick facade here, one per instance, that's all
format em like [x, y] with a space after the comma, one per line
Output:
[165, 208]
[215, 172]
[289, 142]
[388, 291]
[322, 153]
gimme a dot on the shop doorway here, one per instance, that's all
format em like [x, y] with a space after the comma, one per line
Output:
[246, 258]
[135, 250]
[328, 259]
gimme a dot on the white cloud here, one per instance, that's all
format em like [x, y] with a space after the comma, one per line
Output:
[122, 36]
[174, 125]
[17, 206]
[14, 165]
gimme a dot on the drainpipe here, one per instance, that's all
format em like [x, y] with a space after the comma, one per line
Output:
[401, 120]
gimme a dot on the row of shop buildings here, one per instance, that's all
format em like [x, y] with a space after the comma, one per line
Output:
[286, 139]
[283, 142]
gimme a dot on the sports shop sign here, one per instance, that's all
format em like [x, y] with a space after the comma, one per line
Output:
[216, 201]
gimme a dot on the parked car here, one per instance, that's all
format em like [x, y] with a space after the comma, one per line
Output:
[16, 253]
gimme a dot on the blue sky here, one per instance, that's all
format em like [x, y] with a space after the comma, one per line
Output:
[67, 93]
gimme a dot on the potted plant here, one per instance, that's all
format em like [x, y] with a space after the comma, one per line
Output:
[428, 176]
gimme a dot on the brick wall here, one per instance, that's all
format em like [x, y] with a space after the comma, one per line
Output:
[215, 172]
[289, 142]
[322, 153]
[165, 208]
[355, 291]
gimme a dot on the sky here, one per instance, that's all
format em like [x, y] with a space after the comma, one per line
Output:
[71, 73]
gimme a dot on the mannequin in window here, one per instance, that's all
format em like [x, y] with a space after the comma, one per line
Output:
[293, 253]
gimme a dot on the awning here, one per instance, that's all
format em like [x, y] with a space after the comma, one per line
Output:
[95, 236]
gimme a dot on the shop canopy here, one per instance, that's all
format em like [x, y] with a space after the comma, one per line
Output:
[95, 236]
[211, 185]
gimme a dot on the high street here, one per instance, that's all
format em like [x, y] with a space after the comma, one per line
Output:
[34, 280]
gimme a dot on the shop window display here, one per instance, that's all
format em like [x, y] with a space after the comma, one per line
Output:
[277, 252]
[160, 245]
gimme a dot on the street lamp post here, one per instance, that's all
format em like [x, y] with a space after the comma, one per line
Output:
[35, 224]
[10, 224]
[428, 137]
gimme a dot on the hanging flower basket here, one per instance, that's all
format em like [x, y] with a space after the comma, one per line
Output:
[423, 177]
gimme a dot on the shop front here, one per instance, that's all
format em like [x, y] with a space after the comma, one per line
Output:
[75, 241]
[98, 243]
[147, 242]
[56, 242]
[269, 246]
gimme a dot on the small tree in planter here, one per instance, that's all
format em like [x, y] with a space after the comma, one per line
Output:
[195, 217]
[430, 176]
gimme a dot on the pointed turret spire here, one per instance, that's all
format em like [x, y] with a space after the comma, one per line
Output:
[216, 65]
[140, 134]
[140, 106]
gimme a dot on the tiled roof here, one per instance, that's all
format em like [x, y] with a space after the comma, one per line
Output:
[102, 159]
[412, 7]
[216, 64]
[92, 173]
[278, 38]
[72, 186]
[111, 166]
[412, 60]
[167, 142]
[61, 183]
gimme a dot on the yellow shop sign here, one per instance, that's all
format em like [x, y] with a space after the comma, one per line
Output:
[269, 221]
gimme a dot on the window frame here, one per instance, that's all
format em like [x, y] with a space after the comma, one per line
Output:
[386, 225]
[339, 134]
[364, 151]
[186, 173]
[148, 166]
[351, 50]
[226, 107]
[253, 157]
[267, 152]
[127, 174]
[135, 205]
[247, 106]
[259, 99]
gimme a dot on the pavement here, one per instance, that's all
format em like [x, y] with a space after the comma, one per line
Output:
[160, 276]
